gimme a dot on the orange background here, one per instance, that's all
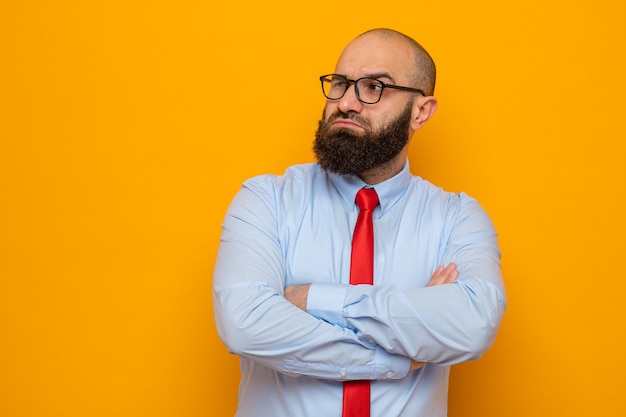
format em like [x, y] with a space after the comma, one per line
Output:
[126, 127]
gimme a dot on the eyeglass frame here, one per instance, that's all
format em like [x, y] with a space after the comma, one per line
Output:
[356, 89]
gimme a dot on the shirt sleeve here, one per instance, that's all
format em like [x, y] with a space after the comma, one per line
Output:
[253, 318]
[443, 324]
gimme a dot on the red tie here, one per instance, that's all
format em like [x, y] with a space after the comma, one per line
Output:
[356, 394]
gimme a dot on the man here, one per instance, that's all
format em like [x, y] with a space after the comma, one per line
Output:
[284, 296]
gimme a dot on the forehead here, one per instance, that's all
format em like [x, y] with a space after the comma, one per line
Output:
[375, 55]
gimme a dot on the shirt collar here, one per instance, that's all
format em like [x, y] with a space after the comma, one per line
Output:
[389, 191]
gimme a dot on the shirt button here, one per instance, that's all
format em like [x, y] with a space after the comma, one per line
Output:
[389, 374]
[343, 374]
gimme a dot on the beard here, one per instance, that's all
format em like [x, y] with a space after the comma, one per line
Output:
[345, 152]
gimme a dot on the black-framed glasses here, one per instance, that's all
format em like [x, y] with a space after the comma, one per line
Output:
[368, 90]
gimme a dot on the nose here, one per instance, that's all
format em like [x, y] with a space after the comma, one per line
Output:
[349, 101]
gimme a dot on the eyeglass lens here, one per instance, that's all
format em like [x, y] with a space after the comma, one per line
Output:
[368, 90]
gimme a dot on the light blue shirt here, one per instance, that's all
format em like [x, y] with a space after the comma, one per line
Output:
[297, 229]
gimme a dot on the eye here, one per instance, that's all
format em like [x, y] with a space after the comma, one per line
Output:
[338, 83]
[372, 85]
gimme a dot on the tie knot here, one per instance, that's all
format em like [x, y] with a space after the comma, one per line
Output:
[366, 199]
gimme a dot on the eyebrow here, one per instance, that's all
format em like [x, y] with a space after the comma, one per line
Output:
[380, 75]
[377, 75]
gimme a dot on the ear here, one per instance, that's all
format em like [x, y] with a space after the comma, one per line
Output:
[423, 109]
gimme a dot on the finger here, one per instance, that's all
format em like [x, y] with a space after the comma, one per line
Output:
[443, 275]
[417, 365]
[436, 277]
[450, 274]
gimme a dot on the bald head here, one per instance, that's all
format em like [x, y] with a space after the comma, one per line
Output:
[424, 72]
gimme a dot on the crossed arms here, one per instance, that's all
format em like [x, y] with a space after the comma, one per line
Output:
[297, 294]
[338, 331]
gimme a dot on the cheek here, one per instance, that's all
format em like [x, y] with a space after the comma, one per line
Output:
[329, 109]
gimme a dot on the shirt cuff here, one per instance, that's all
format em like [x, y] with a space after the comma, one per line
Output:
[325, 301]
[384, 366]
[396, 366]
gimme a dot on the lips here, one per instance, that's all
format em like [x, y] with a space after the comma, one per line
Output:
[346, 124]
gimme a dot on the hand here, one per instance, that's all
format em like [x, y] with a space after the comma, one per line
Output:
[443, 275]
[297, 295]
